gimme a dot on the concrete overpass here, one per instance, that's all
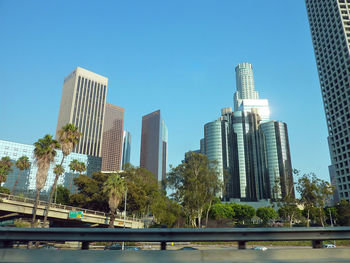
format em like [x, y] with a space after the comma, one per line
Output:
[16, 206]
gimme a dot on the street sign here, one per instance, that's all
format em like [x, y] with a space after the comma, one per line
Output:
[75, 215]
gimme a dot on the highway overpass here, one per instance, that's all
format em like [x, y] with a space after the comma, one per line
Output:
[16, 206]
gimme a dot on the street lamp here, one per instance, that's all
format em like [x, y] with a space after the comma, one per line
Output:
[126, 193]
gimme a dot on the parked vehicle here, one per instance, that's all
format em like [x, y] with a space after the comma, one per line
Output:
[115, 246]
[118, 246]
[260, 248]
[188, 248]
[329, 245]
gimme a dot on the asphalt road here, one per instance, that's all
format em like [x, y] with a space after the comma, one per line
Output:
[295, 255]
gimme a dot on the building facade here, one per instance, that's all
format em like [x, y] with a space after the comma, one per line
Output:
[27, 178]
[279, 163]
[112, 142]
[83, 104]
[126, 148]
[330, 30]
[246, 97]
[154, 144]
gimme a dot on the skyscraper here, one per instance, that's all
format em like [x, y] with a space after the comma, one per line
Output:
[126, 148]
[245, 97]
[279, 163]
[83, 104]
[330, 31]
[154, 141]
[112, 142]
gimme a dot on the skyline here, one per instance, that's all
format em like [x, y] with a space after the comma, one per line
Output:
[197, 70]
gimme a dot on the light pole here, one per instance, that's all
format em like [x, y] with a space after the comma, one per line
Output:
[126, 193]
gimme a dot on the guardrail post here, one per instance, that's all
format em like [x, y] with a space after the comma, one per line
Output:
[6, 244]
[242, 245]
[317, 243]
[163, 245]
[85, 245]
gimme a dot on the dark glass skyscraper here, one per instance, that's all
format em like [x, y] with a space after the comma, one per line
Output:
[330, 30]
[154, 142]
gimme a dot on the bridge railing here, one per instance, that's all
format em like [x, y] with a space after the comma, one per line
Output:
[119, 215]
[241, 235]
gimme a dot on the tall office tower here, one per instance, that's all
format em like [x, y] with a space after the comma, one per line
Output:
[246, 98]
[330, 31]
[214, 145]
[238, 147]
[112, 141]
[154, 141]
[279, 163]
[83, 104]
[126, 148]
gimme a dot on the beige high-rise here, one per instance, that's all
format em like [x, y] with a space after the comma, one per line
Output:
[83, 104]
[112, 145]
[330, 30]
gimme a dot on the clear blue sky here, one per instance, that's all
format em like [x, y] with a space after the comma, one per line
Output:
[176, 56]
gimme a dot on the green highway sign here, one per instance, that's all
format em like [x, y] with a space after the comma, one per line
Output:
[75, 214]
[7, 222]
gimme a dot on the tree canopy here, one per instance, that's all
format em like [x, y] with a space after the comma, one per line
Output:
[196, 184]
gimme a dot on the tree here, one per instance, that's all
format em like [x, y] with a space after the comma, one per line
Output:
[243, 213]
[222, 211]
[5, 168]
[266, 214]
[324, 191]
[62, 195]
[90, 194]
[196, 183]
[44, 153]
[115, 188]
[288, 209]
[289, 212]
[76, 166]
[68, 137]
[307, 188]
[343, 212]
[313, 194]
[142, 187]
[165, 211]
[21, 164]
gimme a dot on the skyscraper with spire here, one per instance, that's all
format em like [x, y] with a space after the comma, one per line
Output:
[246, 97]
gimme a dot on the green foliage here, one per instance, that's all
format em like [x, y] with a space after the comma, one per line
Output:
[4, 190]
[142, 189]
[243, 213]
[90, 193]
[343, 212]
[266, 214]
[165, 211]
[69, 137]
[5, 168]
[114, 187]
[62, 196]
[313, 194]
[196, 184]
[222, 211]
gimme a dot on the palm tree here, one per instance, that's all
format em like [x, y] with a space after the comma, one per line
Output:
[74, 166]
[21, 164]
[68, 137]
[5, 168]
[44, 153]
[114, 187]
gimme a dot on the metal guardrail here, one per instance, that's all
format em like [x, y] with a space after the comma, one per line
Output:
[163, 235]
[65, 207]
